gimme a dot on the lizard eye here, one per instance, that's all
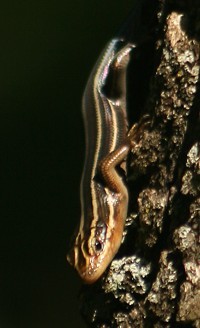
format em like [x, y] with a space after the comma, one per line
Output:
[99, 239]
[97, 246]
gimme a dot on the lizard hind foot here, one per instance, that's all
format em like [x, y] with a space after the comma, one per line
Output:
[137, 129]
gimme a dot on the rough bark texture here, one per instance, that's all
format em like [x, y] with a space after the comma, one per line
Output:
[155, 279]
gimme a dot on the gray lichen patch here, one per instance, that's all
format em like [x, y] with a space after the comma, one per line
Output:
[136, 318]
[187, 238]
[152, 204]
[162, 295]
[189, 305]
[191, 177]
[127, 276]
[148, 152]
[187, 241]
[193, 158]
[179, 71]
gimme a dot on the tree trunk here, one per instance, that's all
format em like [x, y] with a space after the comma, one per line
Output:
[154, 281]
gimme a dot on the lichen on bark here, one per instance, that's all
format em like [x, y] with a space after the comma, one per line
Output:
[154, 281]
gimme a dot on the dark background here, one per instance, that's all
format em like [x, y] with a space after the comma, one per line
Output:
[47, 49]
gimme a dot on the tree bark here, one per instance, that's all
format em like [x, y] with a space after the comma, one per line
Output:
[154, 281]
